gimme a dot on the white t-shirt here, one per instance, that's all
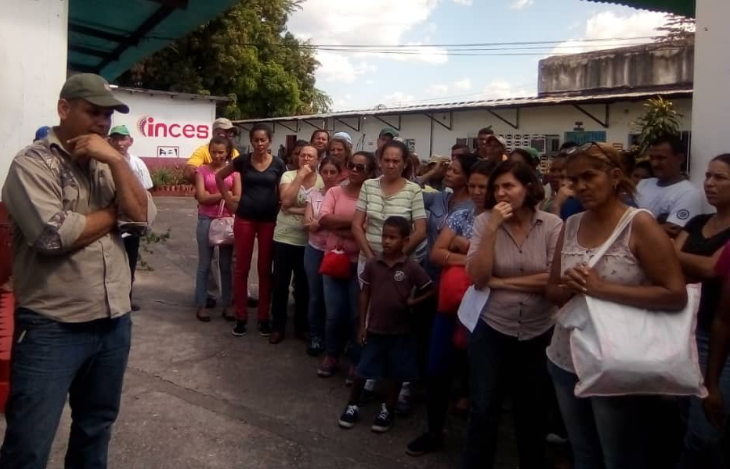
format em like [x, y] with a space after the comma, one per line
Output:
[676, 204]
[140, 170]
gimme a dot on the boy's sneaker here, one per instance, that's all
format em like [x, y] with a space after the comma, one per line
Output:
[240, 329]
[329, 367]
[383, 421]
[424, 444]
[349, 416]
[316, 347]
[264, 329]
[403, 407]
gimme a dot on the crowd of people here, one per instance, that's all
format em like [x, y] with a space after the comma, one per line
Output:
[371, 243]
[381, 252]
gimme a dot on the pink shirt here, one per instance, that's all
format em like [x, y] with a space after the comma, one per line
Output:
[212, 210]
[336, 202]
[317, 239]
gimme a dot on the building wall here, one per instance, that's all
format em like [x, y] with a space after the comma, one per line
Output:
[653, 65]
[166, 129]
[33, 57]
[545, 120]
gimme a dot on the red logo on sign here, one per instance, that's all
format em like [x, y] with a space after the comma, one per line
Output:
[150, 128]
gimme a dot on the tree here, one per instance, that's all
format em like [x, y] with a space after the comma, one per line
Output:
[659, 119]
[247, 55]
[677, 28]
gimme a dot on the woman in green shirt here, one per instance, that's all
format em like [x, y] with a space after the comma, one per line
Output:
[290, 239]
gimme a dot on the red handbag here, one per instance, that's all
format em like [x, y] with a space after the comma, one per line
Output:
[335, 263]
[454, 283]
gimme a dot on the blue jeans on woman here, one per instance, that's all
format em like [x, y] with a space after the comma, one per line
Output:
[312, 261]
[343, 298]
[605, 432]
[53, 360]
[703, 443]
[205, 255]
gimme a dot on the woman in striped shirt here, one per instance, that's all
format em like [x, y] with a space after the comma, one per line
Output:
[390, 194]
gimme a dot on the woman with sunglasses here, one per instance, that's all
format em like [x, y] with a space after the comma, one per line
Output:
[640, 269]
[341, 295]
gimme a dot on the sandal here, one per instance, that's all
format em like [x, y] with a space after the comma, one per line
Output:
[228, 316]
[203, 315]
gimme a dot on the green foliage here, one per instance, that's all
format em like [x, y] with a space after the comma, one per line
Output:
[247, 55]
[660, 118]
[167, 176]
[147, 242]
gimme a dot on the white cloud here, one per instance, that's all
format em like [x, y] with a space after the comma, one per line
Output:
[437, 89]
[463, 85]
[398, 98]
[373, 22]
[502, 89]
[463, 2]
[520, 4]
[336, 68]
[607, 26]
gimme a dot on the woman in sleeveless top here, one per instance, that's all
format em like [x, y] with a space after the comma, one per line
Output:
[640, 269]
[211, 206]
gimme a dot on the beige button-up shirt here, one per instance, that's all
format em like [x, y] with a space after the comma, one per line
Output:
[48, 197]
[519, 314]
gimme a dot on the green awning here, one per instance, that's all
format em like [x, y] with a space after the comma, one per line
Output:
[679, 7]
[109, 36]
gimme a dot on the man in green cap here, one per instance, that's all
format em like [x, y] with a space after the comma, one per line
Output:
[386, 135]
[121, 140]
[70, 196]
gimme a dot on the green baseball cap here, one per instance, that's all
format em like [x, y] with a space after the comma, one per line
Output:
[388, 131]
[92, 88]
[119, 130]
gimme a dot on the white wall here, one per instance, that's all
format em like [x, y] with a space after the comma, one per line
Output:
[541, 120]
[712, 75]
[187, 123]
[33, 41]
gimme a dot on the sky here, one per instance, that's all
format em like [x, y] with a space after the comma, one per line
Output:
[427, 73]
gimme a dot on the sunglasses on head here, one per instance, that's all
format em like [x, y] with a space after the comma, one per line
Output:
[588, 146]
[357, 168]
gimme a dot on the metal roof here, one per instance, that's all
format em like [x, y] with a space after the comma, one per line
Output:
[109, 36]
[171, 94]
[485, 104]
[679, 7]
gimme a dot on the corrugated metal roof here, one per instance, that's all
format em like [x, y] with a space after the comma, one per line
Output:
[109, 36]
[171, 94]
[484, 104]
[679, 7]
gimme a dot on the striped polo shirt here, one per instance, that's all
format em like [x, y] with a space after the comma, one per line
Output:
[406, 203]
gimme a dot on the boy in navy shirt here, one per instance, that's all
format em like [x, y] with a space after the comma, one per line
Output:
[389, 348]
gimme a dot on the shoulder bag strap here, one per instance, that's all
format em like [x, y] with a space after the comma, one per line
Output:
[624, 222]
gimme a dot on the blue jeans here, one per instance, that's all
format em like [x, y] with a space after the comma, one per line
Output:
[312, 261]
[51, 360]
[342, 298]
[605, 432]
[703, 442]
[205, 256]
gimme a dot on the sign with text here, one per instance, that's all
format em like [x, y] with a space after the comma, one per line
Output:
[163, 126]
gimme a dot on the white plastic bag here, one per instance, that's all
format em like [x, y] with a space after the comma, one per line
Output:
[621, 350]
[471, 306]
